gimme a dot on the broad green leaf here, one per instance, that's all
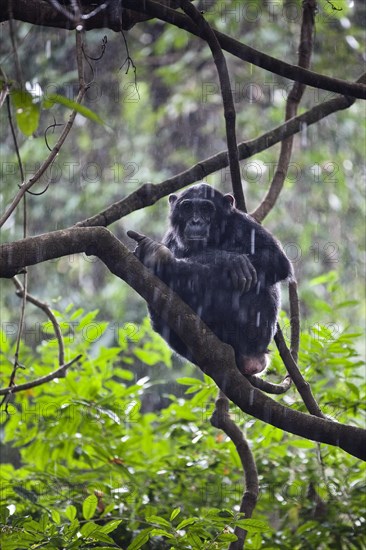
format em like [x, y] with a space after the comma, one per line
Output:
[140, 540]
[185, 522]
[56, 516]
[227, 537]
[27, 111]
[187, 381]
[89, 506]
[161, 533]
[253, 525]
[174, 514]
[51, 99]
[70, 512]
[89, 529]
[159, 520]
[111, 526]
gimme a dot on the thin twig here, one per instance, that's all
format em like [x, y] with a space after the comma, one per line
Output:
[59, 373]
[227, 97]
[45, 165]
[292, 103]
[302, 386]
[48, 311]
[221, 419]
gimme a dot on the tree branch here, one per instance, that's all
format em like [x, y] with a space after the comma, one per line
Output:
[148, 194]
[227, 99]
[41, 12]
[51, 157]
[59, 373]
[302, 386]
[292, 103]
[213, 357]
[221, 420]
[47, 310]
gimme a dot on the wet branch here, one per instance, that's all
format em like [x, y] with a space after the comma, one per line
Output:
[148, 194]
[25, 186]
[207, 33]
[221, 419]
[213, 357]
[59, 373]
[294, 319]
[48, 311]
[293, 100]
[41, 12]
[302, 386]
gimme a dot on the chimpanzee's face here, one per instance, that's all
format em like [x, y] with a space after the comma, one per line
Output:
[196, 216]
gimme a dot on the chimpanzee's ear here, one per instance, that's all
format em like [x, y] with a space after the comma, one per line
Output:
[172, 199]
[230, 199]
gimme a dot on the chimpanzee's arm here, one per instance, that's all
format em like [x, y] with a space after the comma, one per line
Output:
[219, 267]
[263, 250]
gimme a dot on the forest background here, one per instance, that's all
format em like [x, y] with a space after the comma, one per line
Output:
[120, 453]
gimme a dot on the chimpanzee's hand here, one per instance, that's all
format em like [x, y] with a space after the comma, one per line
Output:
[240, 269]
[149, 252]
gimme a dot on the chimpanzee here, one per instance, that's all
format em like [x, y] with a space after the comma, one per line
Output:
[225, 266]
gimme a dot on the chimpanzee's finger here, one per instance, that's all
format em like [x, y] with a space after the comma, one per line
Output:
[135, 236]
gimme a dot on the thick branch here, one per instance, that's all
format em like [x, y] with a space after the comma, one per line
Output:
[214, 358]
[148, 194]
[40, 12]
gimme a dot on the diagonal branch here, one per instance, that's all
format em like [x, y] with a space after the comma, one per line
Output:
[213, 357]
[51, 157]
[58, 373]
[227, 99]
[292, 103]
[148, 194]
[41, 12]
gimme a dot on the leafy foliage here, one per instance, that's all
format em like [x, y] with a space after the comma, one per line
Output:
[120, 453]
[98, 468]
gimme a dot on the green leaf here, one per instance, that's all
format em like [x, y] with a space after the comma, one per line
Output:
[185, 522]
[89, 529]
[89, 506]
[159, 520]
[227, 537]
[187, 381]
[174, 514]
[51, 99]
[302, 443]
[111, 526]
[4, 514]
[140, 540]
[253, 525]
[56, 516]
[27, 111]
[161, 533]
[70, 512]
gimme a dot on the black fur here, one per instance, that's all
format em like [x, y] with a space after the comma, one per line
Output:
[226, 267]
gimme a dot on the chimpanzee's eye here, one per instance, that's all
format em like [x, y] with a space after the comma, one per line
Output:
[207, 208]
[186, 207]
